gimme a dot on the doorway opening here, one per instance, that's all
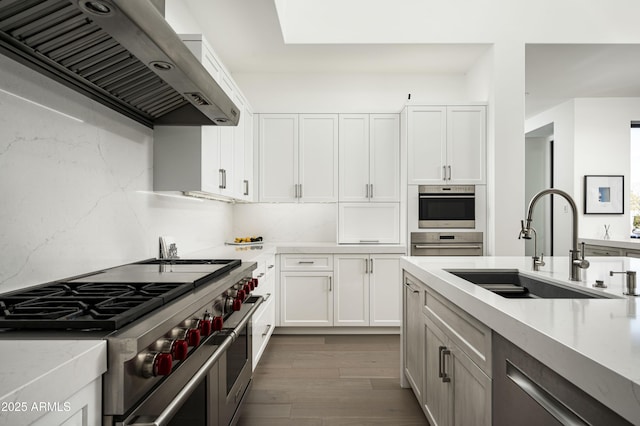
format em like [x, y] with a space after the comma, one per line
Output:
[539, 151]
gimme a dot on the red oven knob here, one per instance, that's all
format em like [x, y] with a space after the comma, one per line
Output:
[254, 282]
[162, 364]
[241, 295]
[205, 327]
[217, 323]
[247, 287]
[237, 304]
[180, 349]
[193, 337]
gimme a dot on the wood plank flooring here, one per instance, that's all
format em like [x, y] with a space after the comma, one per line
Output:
[329, 381]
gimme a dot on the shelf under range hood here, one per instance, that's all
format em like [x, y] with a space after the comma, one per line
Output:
[121, 53]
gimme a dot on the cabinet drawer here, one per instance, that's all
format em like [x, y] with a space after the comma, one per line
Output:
[263, 325]
[473, 337]
[306, 262]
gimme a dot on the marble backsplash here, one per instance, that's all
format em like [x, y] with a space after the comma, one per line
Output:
[76, 187]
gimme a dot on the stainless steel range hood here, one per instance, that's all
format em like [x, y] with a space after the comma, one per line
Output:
[121, 53]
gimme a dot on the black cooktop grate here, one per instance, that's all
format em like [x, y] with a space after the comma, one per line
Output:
[95, 305]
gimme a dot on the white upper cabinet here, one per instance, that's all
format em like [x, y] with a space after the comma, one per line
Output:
[369, 157]
[298, 157]
[318, 157]
[278, 157]
[216, 160]
[446, 144]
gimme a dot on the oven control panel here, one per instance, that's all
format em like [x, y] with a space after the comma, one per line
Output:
[160, 358]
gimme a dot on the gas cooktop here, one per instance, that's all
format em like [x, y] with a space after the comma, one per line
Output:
[108, 299]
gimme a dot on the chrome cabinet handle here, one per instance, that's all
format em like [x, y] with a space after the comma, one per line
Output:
[442, 367]
[371, 268]
[261, 274]
[449, 169]
[267, 330]
[224, 175]
[300, 192]
[295, 190]
[221, 181]
[366, 266]
[371, 192]
[369, 241]
[270, 266]
[366, 186]
[268, 295]
[444, 172]
[246, 187]
[306, 262]
[330, 286]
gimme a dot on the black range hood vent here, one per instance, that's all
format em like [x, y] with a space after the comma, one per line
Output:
[121, 53]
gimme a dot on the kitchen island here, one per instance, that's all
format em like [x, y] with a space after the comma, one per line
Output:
[593, 343]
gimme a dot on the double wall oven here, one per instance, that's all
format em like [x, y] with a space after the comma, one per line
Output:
[178, 335]
[446, 220]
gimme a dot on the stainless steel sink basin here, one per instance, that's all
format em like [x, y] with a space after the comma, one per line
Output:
[513, 285]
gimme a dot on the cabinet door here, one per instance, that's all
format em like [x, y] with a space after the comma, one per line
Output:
[472, 391]
[318, 157]
[384, 157]
[226, 160]
[413, 336]
[369, 223]
[278, 157]
[354, 157]
[248, 186]
[384, 290]
[238, 151]
[351, 295]
[426, 146]
[306, 299]
[438, 392]
[210, 161]
[466, 134]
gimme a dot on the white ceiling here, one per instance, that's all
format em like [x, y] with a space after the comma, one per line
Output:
[246, 35]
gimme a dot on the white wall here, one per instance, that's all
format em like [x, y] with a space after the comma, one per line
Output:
[287, 222]
[592, 137]
[75, 188]
[346, 92]
[562, 118]
[603, 135]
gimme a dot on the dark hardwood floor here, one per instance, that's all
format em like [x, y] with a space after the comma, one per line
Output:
[329, 381]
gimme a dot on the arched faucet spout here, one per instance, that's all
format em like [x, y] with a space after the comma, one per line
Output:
[577, 260]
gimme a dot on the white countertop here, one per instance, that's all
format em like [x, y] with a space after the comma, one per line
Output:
[629, 243]
[46, 371]
[594, 343]
[250, 253]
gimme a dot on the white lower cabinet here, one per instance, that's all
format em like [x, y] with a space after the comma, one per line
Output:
[306, 299]
[263, 323]
[84, 408]
[369, 223]
[447, 358]
[367, 291]
[264, 320]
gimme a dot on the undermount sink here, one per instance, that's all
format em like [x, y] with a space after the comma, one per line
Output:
[513, 285]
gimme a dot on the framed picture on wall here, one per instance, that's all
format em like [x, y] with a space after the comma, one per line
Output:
[603, 194]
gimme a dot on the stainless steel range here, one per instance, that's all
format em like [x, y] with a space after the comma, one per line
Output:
[178, 335]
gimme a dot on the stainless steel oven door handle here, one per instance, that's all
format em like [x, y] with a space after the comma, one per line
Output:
[246, 318]
[172, 408]
[446, 246]
[445, 196]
